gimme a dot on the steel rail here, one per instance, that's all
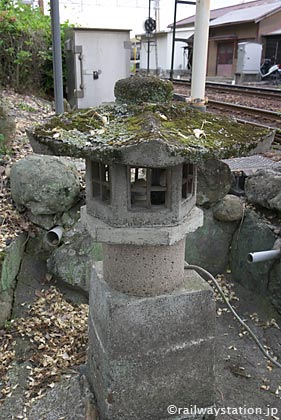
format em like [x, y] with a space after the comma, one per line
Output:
[258, 112]
[249, 90]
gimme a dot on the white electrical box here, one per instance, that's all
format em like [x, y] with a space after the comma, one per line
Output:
[95, 59]
[248, 58]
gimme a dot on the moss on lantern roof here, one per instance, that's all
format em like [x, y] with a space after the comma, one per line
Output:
[107, 132]
[137, 89]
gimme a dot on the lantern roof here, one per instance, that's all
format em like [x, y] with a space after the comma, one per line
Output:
[147, 134]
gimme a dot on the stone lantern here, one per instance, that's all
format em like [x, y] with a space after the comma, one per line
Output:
[151, 323]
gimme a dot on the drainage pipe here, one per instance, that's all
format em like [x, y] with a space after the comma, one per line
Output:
[54, 235]
[255, 257]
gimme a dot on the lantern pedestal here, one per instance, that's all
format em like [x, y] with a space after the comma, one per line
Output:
[146, 353]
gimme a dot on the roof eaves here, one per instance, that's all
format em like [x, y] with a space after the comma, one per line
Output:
[272, 12]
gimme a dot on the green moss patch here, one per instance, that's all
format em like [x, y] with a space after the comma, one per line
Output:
[138, 89]
[103, 132]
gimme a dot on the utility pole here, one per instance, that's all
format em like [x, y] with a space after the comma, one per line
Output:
[148, 42]
[200, 53]
[57, 60]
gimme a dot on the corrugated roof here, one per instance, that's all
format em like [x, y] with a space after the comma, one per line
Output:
[251, 14]
[214, 14]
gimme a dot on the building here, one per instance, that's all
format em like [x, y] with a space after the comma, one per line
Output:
[256, 21]
[160, 48]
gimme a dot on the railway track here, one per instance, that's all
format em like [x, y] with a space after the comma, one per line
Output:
[257, 113]
[268, 93]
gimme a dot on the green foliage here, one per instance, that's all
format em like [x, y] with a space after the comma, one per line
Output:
[25, 47]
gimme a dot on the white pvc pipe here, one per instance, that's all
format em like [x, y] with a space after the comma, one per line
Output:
[200, 51]
[54, 235]
[255, 257]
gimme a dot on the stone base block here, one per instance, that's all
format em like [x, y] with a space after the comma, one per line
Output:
[150, 352]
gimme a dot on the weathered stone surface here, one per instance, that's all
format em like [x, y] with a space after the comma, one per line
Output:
[69, 399]
[6, 303]
[165, 130]
[209, 246]
[44, 184]
[48, 221]
[214, 182]
[144, 270]
[159, 235]
[138, 89]
[72, 261]
[12, 261]
[264, 188]
[147, 352]
[229, 209]
[274, 285]
[254, 235]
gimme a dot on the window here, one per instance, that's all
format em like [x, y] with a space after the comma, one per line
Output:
[187, 181]
[101, 181]
[149, 187]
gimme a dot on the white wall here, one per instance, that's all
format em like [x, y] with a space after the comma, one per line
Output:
[164, 49]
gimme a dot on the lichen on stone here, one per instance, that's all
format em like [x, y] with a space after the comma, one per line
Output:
[138, 89]
[105, 131]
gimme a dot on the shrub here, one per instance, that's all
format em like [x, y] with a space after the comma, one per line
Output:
[25, 47]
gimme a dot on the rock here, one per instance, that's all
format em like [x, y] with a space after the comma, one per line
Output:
[72, 261]
[264, 188]
[12, 262]
[68, 399]
[6, 304]
[45, 221]
[44, 184]
[229, 209]
[254, 235]
[214, 182]
[274, 286]
[138, 89]
[48, 221]
[208, 247]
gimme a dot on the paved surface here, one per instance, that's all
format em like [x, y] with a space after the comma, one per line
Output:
[251, 164]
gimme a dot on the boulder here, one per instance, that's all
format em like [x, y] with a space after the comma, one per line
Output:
[209, 246]
[214, 182]
[254, 235]
[264, 188]
[44, 185]
[229, 209]
[72, 261]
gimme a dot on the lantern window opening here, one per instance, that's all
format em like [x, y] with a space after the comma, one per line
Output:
[149, 188]
[187, 181]
[101, 185]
